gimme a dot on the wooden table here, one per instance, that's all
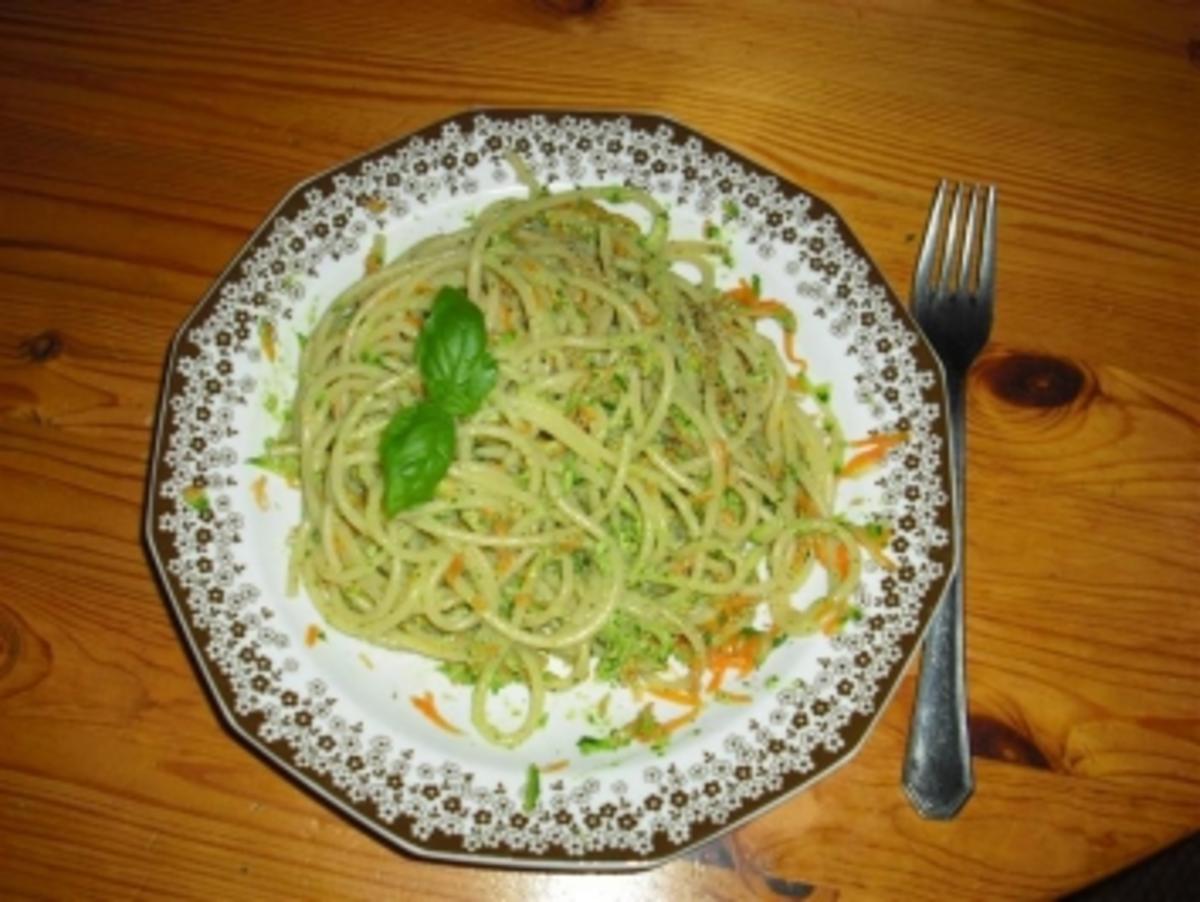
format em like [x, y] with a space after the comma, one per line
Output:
[141, 142]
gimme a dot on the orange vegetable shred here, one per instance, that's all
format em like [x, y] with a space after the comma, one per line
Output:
[428, 707]
[454, 571]
[875, 450]
[258, 490]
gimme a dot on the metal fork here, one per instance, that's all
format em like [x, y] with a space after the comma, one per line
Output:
[952, 303]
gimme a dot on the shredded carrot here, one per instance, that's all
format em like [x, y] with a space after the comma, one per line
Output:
[831, 623]
[734, 603]
[676, 696]
[670, 726]
[554, 766]
[834, 557]
[821, 550]
[842, 559]
[413, 320]
[718, 677]
[876, 449]
[313, 635]
[789, 349]
[266, 337]
[863, 462]
[454, 571]
[768, 310]
[743, 662]
[737, 698]
[504, 561]
[258, 489]
[428, 707]
[375, 204]
[741, 656]
[743, 294]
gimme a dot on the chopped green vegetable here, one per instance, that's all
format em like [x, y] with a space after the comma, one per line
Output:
[459, 672]
[624, 640]
[591, 744]
[533, 788]
[729, 211]
[285, 465]
[197, 499]
[756, 285]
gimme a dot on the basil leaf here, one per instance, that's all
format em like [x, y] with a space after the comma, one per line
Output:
[452, 353]
[466, 399]
[415, 453]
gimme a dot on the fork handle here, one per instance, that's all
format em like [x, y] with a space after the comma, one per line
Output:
[937, 766]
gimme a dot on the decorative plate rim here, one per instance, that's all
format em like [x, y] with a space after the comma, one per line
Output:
[248, 726]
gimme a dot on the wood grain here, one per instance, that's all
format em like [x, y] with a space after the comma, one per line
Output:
[141, 142]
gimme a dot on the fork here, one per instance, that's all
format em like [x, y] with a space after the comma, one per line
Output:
[954, 310]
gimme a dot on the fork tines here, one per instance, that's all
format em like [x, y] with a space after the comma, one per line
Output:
[962, 253]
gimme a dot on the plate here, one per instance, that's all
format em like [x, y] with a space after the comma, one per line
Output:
[336, 714]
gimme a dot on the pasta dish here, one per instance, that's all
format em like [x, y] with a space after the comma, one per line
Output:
[618, 478]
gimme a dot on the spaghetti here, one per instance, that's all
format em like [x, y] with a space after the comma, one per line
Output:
[636, 501]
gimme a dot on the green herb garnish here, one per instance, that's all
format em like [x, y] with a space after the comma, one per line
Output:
[418, 444]
[452, 354]
[415, 453]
